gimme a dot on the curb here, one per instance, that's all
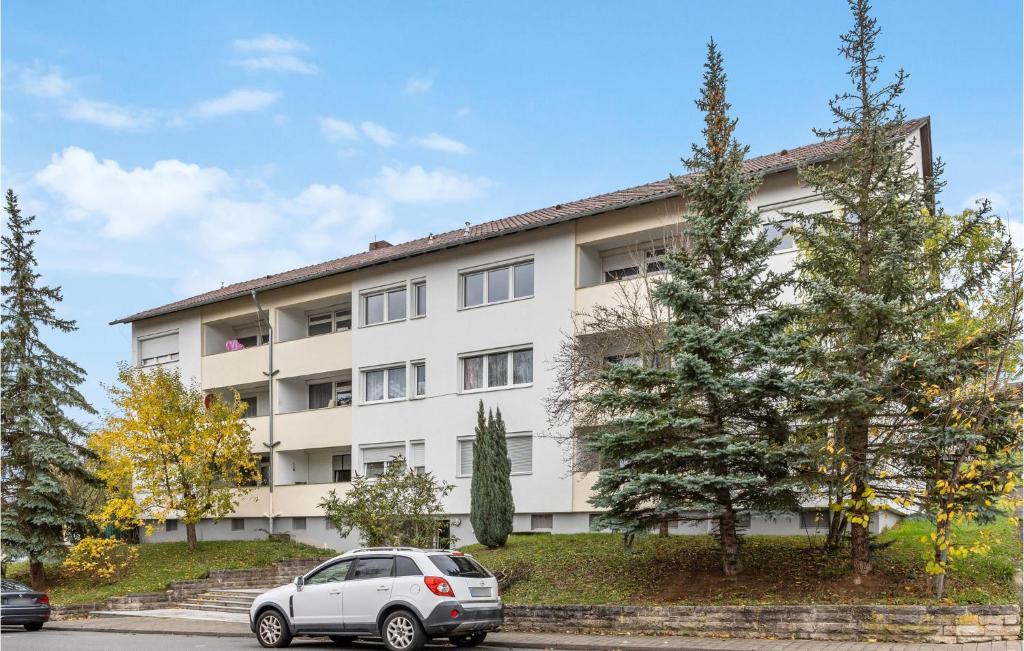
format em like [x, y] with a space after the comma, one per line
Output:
[114, 629]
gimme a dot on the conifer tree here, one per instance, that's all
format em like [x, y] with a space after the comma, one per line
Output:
[863, 280]
[491, 507]
[41, 443]
[708, 431]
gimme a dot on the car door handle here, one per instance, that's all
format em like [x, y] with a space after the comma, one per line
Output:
[382, 587]
[335, 592]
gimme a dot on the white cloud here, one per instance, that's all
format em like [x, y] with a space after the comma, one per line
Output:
[417, 185]
[464, 112]
[380, 135]
[419, 85]
[274, 53]
[338, 130]
[107, 115]
[44, 82]
[1000, 204]
[273, 43]
[437, 142]
[237, 101]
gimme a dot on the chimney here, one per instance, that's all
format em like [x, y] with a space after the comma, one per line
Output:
[379, 244]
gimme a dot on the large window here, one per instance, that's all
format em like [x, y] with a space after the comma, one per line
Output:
[493, 370]
[161, 349]
[498, 284]
[320, 395]
[384, 384]
[520, 454]
[341, 464]
[328, 322]
[625, 264]
[377, 459]
[384, 306]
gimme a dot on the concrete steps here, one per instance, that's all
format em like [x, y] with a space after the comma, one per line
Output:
[231, 600]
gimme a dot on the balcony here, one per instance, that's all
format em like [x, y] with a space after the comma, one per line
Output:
[312, 355]
[303, 500]
[582, 490]
[635, 291]
[234, 368]
[253, 504]
[313, 428]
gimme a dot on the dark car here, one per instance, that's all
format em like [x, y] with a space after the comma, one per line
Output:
[20, 604]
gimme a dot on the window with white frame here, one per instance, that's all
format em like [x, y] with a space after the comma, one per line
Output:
[419, 298]
[417, 457]
[780, 231]
[497, 284]
[326, 322]
[384, 384]
[251, 406]
[419, 378]
[377, 459]
[384, 306]
[494, 370]
[520, 454]
[161, 349]
[622, 264]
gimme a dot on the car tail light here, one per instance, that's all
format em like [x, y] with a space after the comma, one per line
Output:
[438, 586]
[43, 600]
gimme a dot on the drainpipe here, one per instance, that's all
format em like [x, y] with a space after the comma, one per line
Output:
[270, 373]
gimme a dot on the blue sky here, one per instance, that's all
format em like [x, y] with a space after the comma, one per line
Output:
[167, 147]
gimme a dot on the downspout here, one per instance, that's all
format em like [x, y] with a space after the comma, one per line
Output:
[270, 372]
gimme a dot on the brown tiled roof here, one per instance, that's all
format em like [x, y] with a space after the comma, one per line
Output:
[767, 164]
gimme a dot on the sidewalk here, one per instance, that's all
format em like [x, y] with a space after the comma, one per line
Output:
[179, 626]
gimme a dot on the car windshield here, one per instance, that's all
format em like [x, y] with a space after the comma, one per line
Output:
[458, 566]
[13, 586]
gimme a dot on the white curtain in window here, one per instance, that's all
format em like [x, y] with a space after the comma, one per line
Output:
[472, 373]
[466, 457]
[396, 382]
[522, 366]
[497, 370]
[520, 453]
[374, 385]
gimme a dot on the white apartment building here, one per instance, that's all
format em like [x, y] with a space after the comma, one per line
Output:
[388, 352]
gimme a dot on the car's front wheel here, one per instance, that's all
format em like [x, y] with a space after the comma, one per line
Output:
[402, 632]
[33, 626]
[272, 630]
[470, 639]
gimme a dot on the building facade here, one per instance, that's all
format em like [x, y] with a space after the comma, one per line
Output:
[389, 352]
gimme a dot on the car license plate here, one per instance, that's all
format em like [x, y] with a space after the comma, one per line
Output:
[480, 592]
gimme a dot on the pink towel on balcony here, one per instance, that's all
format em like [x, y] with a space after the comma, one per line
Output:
[233, 344]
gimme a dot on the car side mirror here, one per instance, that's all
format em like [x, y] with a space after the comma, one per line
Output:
[300, 581]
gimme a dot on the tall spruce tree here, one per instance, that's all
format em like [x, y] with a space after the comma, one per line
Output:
[491, 507]
[863, 280]
[40, 443]
[707, 432]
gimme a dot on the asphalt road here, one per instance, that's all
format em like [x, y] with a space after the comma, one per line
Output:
[15, 639]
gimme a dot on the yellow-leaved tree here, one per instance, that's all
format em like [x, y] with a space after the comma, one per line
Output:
[163, 453]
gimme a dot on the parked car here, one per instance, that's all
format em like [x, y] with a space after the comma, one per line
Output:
[20, 604]
[403, 595]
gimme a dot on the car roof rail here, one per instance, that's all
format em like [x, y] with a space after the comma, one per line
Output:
[384, 549]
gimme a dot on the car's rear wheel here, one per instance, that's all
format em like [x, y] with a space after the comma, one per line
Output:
[272, 630]
[341, 639]
[402, 632]
[33, 626]
[470, 639]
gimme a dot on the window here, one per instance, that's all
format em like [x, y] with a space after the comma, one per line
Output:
[520, 453]
[372, 568]
[264, 469]
[327, 322]
[498, 369]
[161, 349]
[623, 264]
[465, 457]
[384, 384]
[377, 459]
[419, 298]
[171, 525]
[238, 524]
[498, 284]
[385, 306]
[251, 404]
[417, 457]
[320, 395]
[405, 566]
[248, 337]
[299, 524]
[341, 464]
[541, 521]
[331, 573]
[343, 393]
[463, 566]
[814, 518]
[779, 231]
[419, 376]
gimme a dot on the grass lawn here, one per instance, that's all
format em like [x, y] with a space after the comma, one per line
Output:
[161, 563]
[595, 569]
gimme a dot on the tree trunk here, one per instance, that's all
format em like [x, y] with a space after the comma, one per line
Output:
[860, 551]
[836, 527]
[941, 554]
[729, 541]
[38, 574]
[663, 528]
[190, 534]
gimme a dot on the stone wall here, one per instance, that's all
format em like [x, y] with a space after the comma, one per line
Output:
[825, 622]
